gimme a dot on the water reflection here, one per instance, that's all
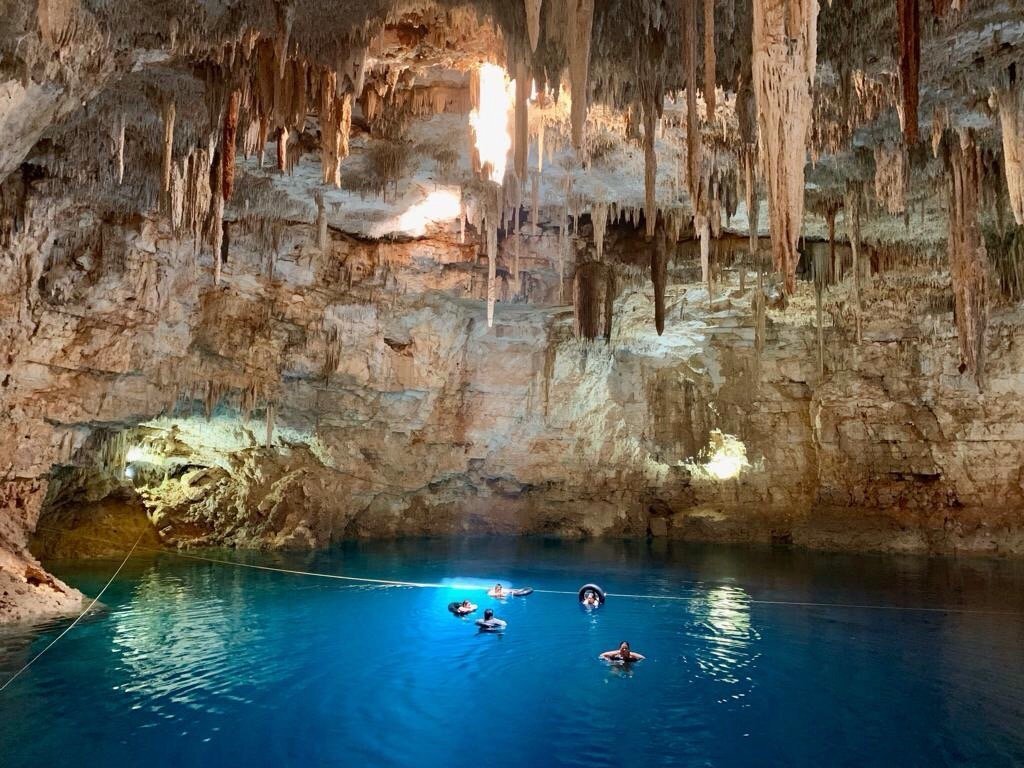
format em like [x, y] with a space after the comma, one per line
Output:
[183, 642]
[728, 642]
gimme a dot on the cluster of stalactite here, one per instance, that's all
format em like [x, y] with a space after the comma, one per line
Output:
[968, 262]
[784, 61]
[892, 177]
[857, 99]
[1011, 117]
[484, 210]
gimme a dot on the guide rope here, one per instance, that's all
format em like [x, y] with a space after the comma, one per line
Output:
[71, 626]
[624, 595]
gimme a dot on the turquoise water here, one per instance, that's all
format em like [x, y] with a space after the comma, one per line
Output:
[196, 664]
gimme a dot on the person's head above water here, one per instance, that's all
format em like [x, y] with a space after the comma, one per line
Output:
[488, 614]
[497, 587]
[465, 603]
[624, 651]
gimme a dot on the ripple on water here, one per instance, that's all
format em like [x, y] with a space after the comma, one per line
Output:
[250, 667]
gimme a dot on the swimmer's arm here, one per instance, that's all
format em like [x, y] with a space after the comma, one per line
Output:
[637, 656]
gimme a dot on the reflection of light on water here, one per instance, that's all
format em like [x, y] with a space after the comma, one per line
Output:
[728, 612]
[179, 647]
[727, 641]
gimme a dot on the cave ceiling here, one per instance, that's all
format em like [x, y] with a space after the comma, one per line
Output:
[352, 114]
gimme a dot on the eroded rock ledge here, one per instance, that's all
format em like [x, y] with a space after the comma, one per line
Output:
[357, 392]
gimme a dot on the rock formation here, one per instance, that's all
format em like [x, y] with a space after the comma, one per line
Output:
[361, 335]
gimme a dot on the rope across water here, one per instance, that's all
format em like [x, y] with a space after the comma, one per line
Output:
[621, 595]
[71, 626]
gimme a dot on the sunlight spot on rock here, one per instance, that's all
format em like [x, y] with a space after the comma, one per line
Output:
[491, 119]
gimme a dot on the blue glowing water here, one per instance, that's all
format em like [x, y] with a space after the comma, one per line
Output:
[196, 664]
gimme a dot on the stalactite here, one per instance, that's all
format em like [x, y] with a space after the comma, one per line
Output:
[517, 246]
[753, 208]
[271, 413]
[218, 235]
[908, 12]
[688, 10]
[121, 121]
[659, 277]
[820, 270]
[833, 260]
[229, 140]
[610, 289]
[892, 177]
[940, 121]
[1011, 119]
[758, 307]
[533, 22]
[56, 20]
[599, 223]
[487, 215]
[282, 150]
[709, 58]
[521, 137]
[167, 110]
[703, 227]
[335, 125]
[581, 20]
[650, 165]
[852, 206]
[321, 222]
[968, 262]
[535, 202]
[784, 61]
[492, 267]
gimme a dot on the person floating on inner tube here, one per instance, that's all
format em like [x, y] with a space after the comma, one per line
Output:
[497, 591]
[463, 608]
[590, 599]
[622, 655]
[491, 624]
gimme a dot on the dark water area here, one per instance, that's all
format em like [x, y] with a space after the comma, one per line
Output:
[762, 658]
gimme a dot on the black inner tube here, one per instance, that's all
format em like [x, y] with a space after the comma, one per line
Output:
[592, 588]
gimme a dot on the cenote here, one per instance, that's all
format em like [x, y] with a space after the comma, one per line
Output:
[762, 657]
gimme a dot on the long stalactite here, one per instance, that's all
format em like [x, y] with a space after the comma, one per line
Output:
[580, 27]
[1011, 119]
[909, 17]
[784, 62]
[709, 58]
[968, 261]
[229, 142]
[688, 13]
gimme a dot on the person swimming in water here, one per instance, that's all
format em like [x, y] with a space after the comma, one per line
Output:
[497, 591]
[489, 623]
[622, 655]
[464, 607]
[590, 600]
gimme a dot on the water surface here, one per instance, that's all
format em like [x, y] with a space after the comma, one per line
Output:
[198, 664]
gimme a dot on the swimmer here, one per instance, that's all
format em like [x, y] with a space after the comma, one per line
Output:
[622, 655]
[590, 600]
[463, 608]
[489, 623]
[497, 591]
